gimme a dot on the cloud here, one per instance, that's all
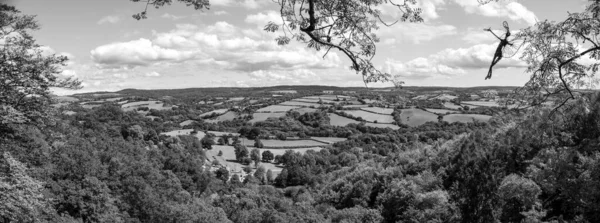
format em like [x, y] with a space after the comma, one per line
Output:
[450, 62]
[263, 18]
[140, 52]
[512, 10]
[152, 74]
[429, 9]
[248, 4]
[221, 13]
[415, 32]
[172, 17]
[220, 44]
[109, 19]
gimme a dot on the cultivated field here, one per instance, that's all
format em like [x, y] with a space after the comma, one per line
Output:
[303, 111]
[387, 111]
[236, 99]
[441, 111]
[481, 103]
[273, 143]
[218, 111]
[303, 104]
[451, 105]
[224, 117]
[328, 140]
[259, 117]
[337, 120]
[355, 106]
[415, 117]
[370, 117]
[277, 108]
[466, 118]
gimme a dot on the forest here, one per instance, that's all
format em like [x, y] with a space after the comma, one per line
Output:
[121, 157]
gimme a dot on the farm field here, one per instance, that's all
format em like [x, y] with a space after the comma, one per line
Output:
[273, 143]
[187, 122]
[277, 108]
[89, 106]
[355, 106]
[285, 92]
[337, 120]
[309, 100]
[415, 117]
[158, 105]
[236, 99]
[228, 116]
[451, 105]
[218, 111]
[329, 140]
[440, 111]
[466, 118]
[303, 111]
[481, 103]
[387, 111]
[259, 117]
[303, 104]
[380, 125]
[444, 97]
[370, 117]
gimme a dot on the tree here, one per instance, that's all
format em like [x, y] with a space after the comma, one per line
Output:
[221, 141]
[255, 156]
[258, 143]
[260, 174]
[267, 156]
[223, 174]
[207, 142]
[270, 177]
[27, 75]
[220, 153]
[241, 152]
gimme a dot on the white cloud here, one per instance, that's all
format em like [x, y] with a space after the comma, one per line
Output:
[140, 52]
[172, 17]
[152, 74]
[109, 19]
[429, 9]
[263, 18]
[221, 13]
[450, 62]
[415, 32]
[248, 4]
[512, 10]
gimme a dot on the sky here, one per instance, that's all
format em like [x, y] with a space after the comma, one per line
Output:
[225, 46]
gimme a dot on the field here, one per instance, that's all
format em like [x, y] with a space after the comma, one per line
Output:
[355, 106]
[481, 103]
[337, 120]
[236, 99]
[466, 118]
[273, 143]
[387, 111]
[259, 117]
[379, 125]
[370, 117]
[277, 108]
[138, 104]
[451, 105]
[303, 104]
[441, 111]
[415, 117]
[309, 100]
[224, 117]
[303, 111]
[329, 140]
[187, 122]
[285, 92]
[218, 111]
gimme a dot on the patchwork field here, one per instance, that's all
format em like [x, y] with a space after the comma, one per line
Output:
[303, 104]
[451, 105]
[337, 120]
[259, 117]
[236, 99]
[415, 117]
[228, 116]
[370, 117]
[380, 125]
[303, 111]
[329, 140]
[466, 118]
[273, 143]
[285, 92]
[355, 106]
[441, 111]
[218, 111]
[481, 103]
[187, 122]
[277, 108]
[387, 111]
[158, 105]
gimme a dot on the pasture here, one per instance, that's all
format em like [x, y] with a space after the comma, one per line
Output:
[481, 103]
[465, 118]
[285, 92]
[274, 143]
[259, 117]
[441, 111]
[303, 104]
[277, 108]
[355, 106]
[228, 116]
[328, 140]
[370, 117]
[218, 111]
[451, 105]
[415, 117]
[387, 111]
[337, 120]
[303, 111]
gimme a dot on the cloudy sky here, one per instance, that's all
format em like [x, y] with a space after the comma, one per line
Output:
[178, 47]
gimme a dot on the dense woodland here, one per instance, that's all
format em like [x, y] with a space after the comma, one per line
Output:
[104, 164]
